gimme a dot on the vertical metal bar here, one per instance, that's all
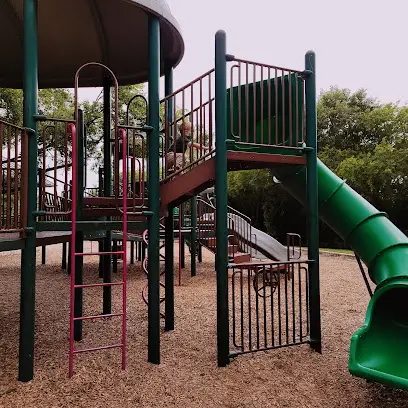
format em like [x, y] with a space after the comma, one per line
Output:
[247, 103]
[242, 308]
[28, 254]
[193, 235]
[154, 194]
[272, 310]
[279, 305]
[297, 108]
[300, 303]
[249, 310]
[312, 203]
[124, 246]
[286, 305]
[254, 102]
[276, 108]
[8, 207]
[269, 106]
[74, 190]
[292, 267]
[264, 305]
[257, 313]
[290, 109]
[233, 316]
[221, 263]
[107, 189]
[283, 106]
[16, 189]
[262, 107]
[78, 261]
[2, 175]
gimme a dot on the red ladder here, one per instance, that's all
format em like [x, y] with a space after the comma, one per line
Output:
[73, 319]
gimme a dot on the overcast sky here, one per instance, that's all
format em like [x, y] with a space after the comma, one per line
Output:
[358, 43]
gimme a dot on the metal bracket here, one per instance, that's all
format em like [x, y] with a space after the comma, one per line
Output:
[40, 118]
[363, 273]
[229, 57]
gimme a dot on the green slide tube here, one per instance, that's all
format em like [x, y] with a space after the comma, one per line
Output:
[378, 350]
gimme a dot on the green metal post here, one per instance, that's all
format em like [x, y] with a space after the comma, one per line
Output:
[154, 192]
[221, 259]
[79, 238]
[312, 203]
[28, 254]
[107, 189]
[193, 236]
[169, 224]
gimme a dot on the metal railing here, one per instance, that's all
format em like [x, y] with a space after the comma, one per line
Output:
[266, 104]
[13, 182]
[269, 305]
[239, 226]
[193, 103]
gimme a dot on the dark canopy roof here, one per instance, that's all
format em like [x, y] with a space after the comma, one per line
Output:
[73, 32]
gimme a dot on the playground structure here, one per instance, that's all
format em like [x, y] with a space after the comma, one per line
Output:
[246, 115]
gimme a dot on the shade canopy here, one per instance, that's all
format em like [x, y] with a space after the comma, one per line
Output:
[72, 33]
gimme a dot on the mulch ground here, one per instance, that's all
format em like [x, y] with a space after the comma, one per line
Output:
[188, 375]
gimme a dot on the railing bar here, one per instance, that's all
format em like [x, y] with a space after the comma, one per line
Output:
[257, 314]
[249, 311]
[262, 107]
[279, 308]
[264, 307]
[98, 316]
[265, 65]
[2, 176]
[242, 308]
[8, 221]
[97, 285]
[276, 108]
[286, 304]
[292, 267]
[247, 103]
[97, 348]
[187, 85]
[272, 308]
[16, 177]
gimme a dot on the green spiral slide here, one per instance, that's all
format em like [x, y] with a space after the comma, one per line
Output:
[379, 349]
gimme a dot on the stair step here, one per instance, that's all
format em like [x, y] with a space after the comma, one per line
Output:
[241, 257]
[232, 249]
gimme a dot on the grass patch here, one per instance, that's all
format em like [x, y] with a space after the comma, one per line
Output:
[339, 251]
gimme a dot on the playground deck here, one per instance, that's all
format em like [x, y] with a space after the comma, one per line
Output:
[293, 377]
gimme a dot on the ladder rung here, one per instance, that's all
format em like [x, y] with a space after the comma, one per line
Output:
[98, 348]
[98, 316]
[98, 253]
[95, 285]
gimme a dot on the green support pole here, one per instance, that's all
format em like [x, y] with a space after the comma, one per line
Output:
[154, 192]
[79, 237]
[221, 257]
[193, 243]
[28, 254]
[312, 203]
[107, 189]
[169, 224]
